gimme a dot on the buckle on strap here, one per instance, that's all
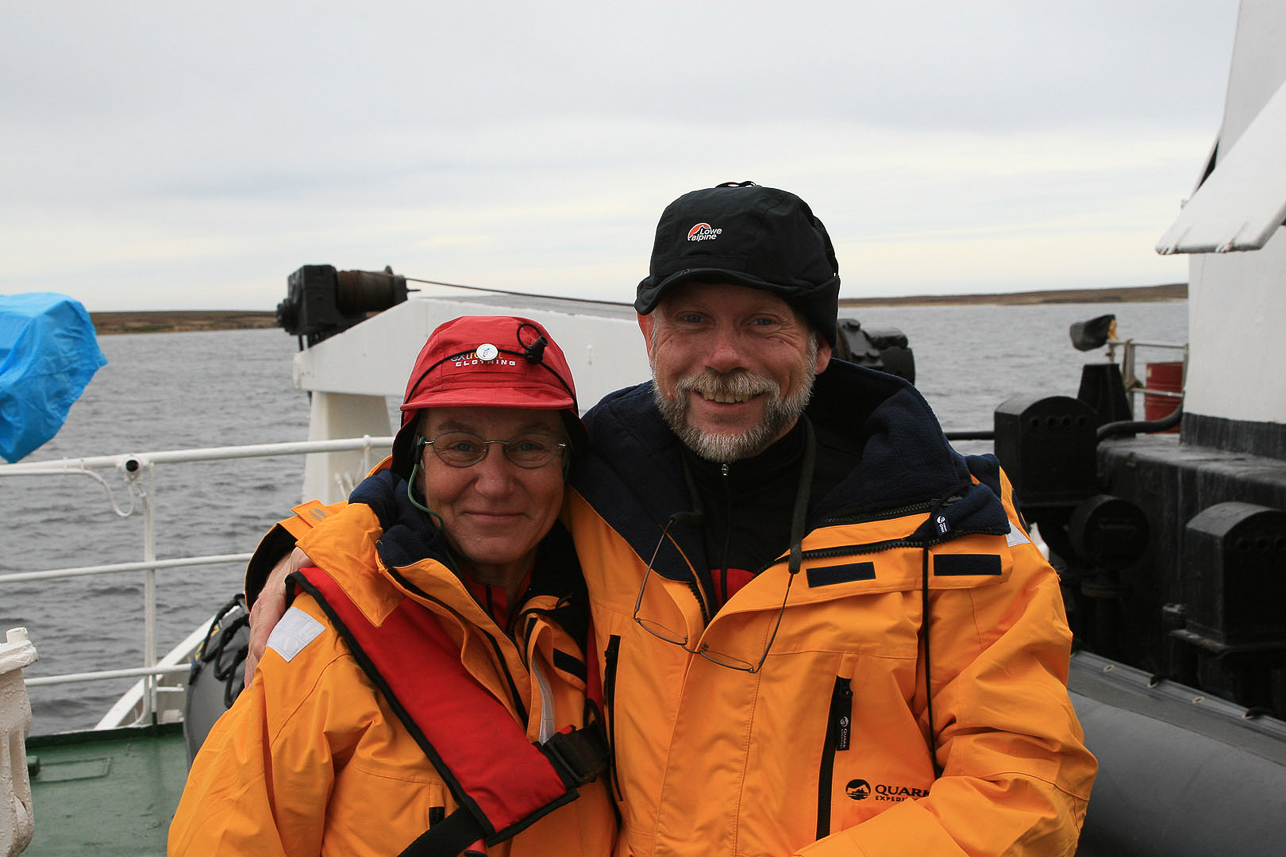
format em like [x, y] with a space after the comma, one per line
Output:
[580, 755]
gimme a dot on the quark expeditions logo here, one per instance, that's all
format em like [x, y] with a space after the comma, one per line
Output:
[861, 790]
[703, 232]
[486, 353]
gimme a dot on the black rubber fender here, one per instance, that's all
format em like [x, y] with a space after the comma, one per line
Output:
[218, 669]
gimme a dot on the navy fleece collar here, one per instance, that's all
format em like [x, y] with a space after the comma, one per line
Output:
[633, 477]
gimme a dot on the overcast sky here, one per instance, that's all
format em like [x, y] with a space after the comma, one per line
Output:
[167, 155]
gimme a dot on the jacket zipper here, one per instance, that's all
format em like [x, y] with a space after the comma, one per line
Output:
[838, 734]
[706, 600]
[876, 547]
[882, 515]
[722, 586]
[894, 512]
[610, 657]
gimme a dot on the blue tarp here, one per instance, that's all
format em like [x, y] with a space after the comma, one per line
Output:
[48, 353]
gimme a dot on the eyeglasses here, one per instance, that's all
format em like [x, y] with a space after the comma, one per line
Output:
[668, 635]
[465, 449]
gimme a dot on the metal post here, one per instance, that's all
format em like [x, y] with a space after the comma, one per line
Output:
[149, 593]
[1127, 371]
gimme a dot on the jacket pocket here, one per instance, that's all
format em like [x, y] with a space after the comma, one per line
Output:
[839, 720]
[610, 657]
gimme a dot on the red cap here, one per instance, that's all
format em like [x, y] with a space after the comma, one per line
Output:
[486, 361]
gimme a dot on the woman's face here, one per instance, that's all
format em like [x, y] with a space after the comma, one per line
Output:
[494, 513]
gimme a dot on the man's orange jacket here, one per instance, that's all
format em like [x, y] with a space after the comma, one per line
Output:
[827, 749]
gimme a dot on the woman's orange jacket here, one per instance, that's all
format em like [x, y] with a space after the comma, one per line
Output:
[311, 760]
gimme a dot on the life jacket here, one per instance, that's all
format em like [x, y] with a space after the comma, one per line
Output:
[501, 781]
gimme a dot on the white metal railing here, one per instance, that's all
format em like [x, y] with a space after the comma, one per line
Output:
[1128, 366]
[138, 472]
[104, 675]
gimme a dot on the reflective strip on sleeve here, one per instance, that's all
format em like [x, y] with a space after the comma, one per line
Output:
[295, 631]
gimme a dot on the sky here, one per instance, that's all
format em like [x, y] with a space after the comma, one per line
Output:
[163, 155]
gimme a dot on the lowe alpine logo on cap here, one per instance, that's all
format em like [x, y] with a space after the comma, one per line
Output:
[703, 232]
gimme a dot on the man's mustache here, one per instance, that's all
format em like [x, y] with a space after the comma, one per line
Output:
[739, 384]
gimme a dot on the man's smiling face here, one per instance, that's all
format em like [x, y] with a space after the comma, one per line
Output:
[732, 367]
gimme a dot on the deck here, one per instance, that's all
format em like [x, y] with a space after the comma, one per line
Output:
[106, 793]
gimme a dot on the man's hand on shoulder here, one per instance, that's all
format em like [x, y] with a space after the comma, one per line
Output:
[269, 607]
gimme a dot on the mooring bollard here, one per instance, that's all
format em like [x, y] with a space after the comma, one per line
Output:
[17, 822]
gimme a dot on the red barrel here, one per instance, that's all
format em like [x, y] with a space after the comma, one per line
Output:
[1167, 377]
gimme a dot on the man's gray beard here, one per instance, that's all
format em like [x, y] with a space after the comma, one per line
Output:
[780, 413]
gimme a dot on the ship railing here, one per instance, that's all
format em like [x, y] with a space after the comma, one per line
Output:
[1129, 367]
[1129, 362]
[158, 676]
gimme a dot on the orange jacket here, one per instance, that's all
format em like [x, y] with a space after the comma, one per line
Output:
[826, 749]
[311, 760]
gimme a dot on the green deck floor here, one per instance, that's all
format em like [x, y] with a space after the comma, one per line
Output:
[106, 793]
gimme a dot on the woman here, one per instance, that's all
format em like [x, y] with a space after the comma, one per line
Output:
[437, 641]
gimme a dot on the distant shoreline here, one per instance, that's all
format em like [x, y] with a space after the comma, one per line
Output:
[1129, 294]
[181, 321]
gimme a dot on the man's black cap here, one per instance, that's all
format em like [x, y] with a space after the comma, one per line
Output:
[747, 235]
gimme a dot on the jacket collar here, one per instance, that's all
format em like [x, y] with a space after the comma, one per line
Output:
[633, 477]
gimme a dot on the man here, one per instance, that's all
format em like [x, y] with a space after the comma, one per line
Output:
[821, 630]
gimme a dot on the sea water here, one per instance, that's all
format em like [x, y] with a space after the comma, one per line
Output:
[187, 390]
